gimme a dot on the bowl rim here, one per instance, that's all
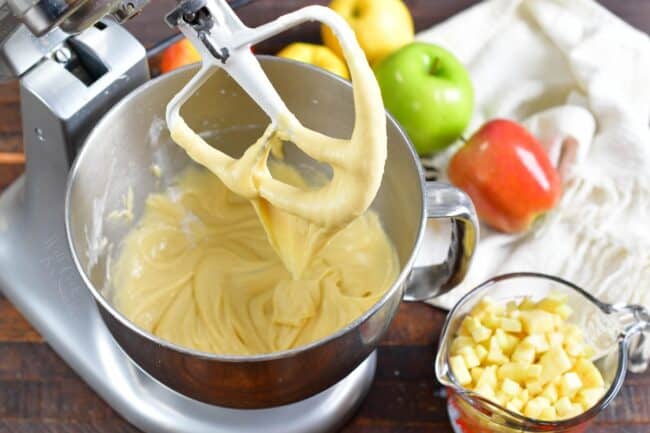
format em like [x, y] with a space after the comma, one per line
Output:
[124, 321]
[532, 423]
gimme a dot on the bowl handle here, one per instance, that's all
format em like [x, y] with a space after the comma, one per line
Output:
[444, 201]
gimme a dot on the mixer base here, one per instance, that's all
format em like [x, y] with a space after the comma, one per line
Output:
[38, 276]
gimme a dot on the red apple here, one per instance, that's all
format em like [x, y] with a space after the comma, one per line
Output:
[507, 174]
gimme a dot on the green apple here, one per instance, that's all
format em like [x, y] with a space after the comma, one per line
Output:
[429, 92]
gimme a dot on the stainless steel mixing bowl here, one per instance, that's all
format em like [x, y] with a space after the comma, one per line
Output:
[131, 138]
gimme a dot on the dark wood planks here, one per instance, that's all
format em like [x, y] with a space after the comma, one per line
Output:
[13, 327]
[38, 392]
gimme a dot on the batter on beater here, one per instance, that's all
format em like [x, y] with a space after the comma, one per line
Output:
[254, 260]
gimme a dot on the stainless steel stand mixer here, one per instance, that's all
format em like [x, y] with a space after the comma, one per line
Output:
[74, 62]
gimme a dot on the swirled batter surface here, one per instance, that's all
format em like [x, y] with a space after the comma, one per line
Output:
[198, 270]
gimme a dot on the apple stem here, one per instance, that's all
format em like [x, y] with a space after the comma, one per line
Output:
[435, 65]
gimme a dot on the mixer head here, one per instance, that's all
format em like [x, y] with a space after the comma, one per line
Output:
[72, 16]
[33, 29]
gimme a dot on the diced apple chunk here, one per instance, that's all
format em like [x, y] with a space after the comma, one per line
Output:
[511, 306]
[492, 321]
[588, 352]
[511, 325]
[535, 406]
[527, 304]
[481, 334]
[524, 396]
[515, 371]
[550, 392]
[510, 388]
[476, 373]
[534, 371]
[572, 331]
[574, 348]
[548, 414]
[589, 374]
[488, 377]
[495, 354]
[502, 398]
[537, 322]
[506, 341]
[489, 305]
[550, 305]
[570, 384]
[470, 322]
[485, 391]
[534, 387]
[554, 363]
[555, 339]
[459, 369]
[460, 342]
[481, 352]
[577, 410]
[566, 409]
[469, 355]
[564, 311]
[537, 341]
[563, 406]
[588, 397]
[515, 405]
[558, 321]
[476, 330]
[524, 353]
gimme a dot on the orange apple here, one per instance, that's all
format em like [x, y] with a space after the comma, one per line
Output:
[179, 54]
[507, 174]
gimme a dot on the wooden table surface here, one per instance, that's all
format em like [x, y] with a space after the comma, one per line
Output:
[40, 393]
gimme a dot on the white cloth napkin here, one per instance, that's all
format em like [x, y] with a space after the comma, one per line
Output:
[564, 68]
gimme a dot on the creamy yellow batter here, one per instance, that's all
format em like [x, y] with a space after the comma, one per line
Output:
[253, 261]
[199, 271]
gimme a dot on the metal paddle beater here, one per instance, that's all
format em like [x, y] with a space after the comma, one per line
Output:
[225, 42]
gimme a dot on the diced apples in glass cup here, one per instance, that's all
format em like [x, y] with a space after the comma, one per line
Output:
[534, 353]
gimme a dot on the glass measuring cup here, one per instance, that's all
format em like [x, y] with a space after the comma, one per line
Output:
[616, 331]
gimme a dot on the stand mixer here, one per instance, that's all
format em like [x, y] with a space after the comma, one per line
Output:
[74, 62]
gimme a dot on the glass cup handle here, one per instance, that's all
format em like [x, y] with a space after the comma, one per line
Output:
[635, 325]
[444, 201]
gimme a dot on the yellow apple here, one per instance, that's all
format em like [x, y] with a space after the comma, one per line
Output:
[381, 26]
[318, 55]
